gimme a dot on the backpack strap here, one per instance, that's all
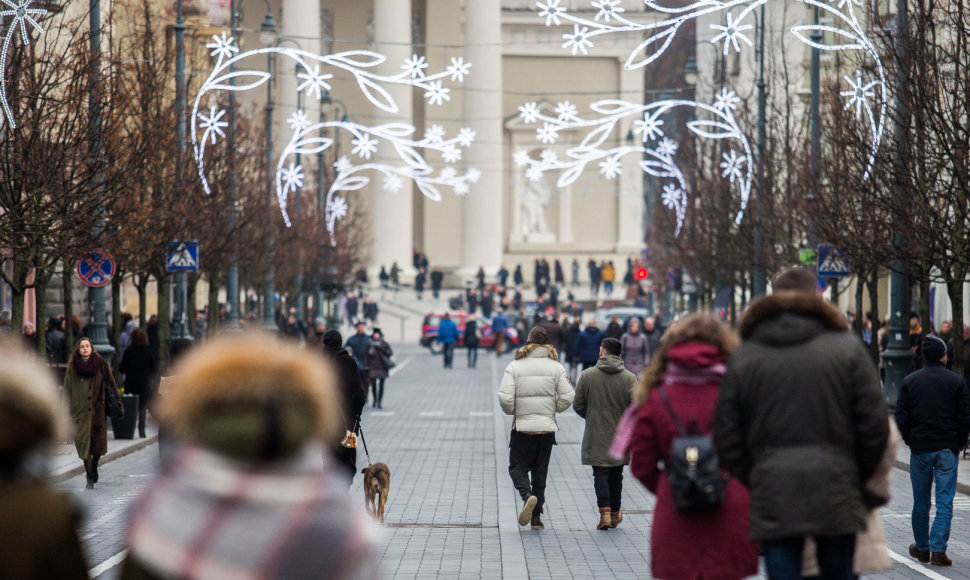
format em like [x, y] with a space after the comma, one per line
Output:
[670, 409]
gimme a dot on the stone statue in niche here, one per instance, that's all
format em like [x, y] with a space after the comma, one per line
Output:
[536, 196]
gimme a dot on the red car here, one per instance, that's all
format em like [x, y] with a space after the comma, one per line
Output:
[429, 332]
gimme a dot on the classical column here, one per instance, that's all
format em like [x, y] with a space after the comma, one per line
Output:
[392, 212]
[629, 202]
[482, 215]
[300, 29]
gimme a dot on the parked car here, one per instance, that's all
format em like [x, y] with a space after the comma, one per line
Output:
[429, 332]
[604, 315]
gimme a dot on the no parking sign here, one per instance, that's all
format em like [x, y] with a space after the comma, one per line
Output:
[96, 268]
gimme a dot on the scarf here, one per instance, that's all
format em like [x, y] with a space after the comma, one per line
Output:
[211, 517]
[87, 368]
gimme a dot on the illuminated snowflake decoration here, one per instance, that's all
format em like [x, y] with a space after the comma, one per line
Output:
[655, 153]
[390, 141]
[847, 33]
[22, 16]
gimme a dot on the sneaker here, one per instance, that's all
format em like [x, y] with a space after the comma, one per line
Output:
[940, 559]
[537, 523]
[921, 555]
[525, 516]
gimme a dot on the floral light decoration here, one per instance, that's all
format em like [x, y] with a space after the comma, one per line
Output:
[22, 15]
[655, 154]
[849, 35]
[309, 138]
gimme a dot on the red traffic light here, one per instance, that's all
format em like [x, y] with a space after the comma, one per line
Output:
[641, 274]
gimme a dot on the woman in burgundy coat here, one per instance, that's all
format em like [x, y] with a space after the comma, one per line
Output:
[711, 545]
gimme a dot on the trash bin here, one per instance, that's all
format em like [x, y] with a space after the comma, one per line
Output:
[124, 428]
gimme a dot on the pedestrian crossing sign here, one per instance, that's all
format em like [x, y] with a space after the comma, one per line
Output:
[832, 263]
[182, 256]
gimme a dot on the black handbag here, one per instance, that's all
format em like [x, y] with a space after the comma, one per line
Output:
[112, 407]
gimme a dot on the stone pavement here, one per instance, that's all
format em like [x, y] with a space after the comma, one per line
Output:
[65, 464]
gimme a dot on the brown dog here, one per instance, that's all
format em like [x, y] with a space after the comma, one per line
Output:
[377, 481]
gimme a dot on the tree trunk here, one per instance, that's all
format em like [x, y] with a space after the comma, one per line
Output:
[141, 284]
[924, 305]
[41, 279]
[872, 283]
[214, 311]
[164, 318]
[115, 334]
[860, 318]
[954, 289]
[18, 291]
[67, 285]
[191, 304]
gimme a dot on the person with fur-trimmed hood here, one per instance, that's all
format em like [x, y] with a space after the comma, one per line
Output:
[251, 492]
[802, 421]
[38, 525]
[534, 388]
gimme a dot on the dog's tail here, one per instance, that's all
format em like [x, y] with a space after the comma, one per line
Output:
[383, 475]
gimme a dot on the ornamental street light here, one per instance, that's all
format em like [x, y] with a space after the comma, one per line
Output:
[181, 330]
[267, 34]
[336, 109]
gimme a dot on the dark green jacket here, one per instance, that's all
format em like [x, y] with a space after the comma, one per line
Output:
[801, 418]
[602, 394]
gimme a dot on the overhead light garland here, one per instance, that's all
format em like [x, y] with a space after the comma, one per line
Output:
[656, 152]
[850, 35]
[310, 138]
[22, 15]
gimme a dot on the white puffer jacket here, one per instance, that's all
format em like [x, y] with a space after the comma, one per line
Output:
[534, 388]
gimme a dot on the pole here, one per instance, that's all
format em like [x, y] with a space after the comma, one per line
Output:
[298, 282]
[897, 357]
[815, 132]
[98, 321]
[232, 274]
[760, 282]
[318, 310]
[269, 293]
[181, 287]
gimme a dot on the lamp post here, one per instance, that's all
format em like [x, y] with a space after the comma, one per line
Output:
[814, 129]
[336, 108]
[298, 282]
[691, 77]
[268, 36]
[897, 356]
[181, 330]
[232, 274]
[760, 282]
[98, 325]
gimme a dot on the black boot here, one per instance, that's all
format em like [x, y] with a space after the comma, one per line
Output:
[94, 467]
[88, 474]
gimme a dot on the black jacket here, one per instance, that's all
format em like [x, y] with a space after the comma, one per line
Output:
[801, 418]
[933, 410]
[139, 367]
[348, 383]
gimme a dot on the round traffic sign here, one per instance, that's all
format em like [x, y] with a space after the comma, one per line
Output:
[96, 268]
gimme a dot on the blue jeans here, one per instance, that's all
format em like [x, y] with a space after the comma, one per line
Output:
[449, 351]
[783, 558]
[924, 469]
[472, 355]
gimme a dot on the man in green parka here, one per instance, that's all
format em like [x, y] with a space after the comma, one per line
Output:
[602, 394]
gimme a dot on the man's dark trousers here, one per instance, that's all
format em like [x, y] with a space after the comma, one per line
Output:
[783, 557]
[530, 453]
[608, 485]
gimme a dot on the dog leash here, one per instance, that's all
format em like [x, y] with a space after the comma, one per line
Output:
[360, 429]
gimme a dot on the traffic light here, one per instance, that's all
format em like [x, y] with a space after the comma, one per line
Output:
[641, 273]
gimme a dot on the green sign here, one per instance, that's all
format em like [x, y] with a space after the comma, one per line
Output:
[807, 257]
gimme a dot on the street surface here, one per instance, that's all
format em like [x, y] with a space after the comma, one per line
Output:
[452, 509]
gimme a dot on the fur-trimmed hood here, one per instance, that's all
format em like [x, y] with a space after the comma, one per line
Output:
[535, 351]
[32, 414]
[789, 318]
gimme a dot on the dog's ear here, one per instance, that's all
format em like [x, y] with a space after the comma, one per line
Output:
[364, 470]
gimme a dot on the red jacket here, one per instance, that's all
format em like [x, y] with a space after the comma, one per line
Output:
[714, 544]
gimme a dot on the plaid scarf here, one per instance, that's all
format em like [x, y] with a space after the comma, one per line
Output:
[209, 517]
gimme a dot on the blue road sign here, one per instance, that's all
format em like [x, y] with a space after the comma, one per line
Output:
[831, 262]
[182, 256]
[96, 268]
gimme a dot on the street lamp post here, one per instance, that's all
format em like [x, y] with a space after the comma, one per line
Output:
[760, 281]
[268, 36]
[181, 286]
[232, 274]
[339, 112]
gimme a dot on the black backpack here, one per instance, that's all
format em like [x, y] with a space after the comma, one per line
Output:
[696, 482]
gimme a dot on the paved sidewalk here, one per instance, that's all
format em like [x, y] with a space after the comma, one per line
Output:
[65, 464]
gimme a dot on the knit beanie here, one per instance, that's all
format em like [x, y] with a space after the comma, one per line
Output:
[934, 349]
[538, 335]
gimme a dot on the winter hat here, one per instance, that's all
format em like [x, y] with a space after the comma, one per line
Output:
[538, 335]
[934, 349]
[332, 338]
[251, 398]
[32, 414]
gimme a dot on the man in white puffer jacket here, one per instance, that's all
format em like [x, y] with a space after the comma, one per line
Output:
[534, 388]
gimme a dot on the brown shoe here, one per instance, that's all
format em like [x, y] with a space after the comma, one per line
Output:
[606, 520]
[940, 559]
[921, 555]
[615, 518]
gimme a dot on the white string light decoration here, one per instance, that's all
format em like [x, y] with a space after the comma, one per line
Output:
[850, 35]
[656, 152]
[311, 138]
[22, 15]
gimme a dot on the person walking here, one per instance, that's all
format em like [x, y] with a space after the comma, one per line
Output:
[933, 415]
[571, 335]
[140, 369]
[419, 281]
[534, 389]
[472, 336]
[588, 345]
[88, 377]
[252, 488]
[447, 336]
[39, 525]
[357, 346]
[379, 365]
[353, 398]
[554, 333]
[608, 275]
[636, 348]
[802, 421]
[688, 368]
[614, 329]
[500, 326]
[437, 277]
[602, 394]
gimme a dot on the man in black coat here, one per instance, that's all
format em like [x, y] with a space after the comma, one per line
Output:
[802, 421]
[933, 414]
[354, 397]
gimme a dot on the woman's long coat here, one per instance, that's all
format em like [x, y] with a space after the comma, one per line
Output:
[85, 396]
